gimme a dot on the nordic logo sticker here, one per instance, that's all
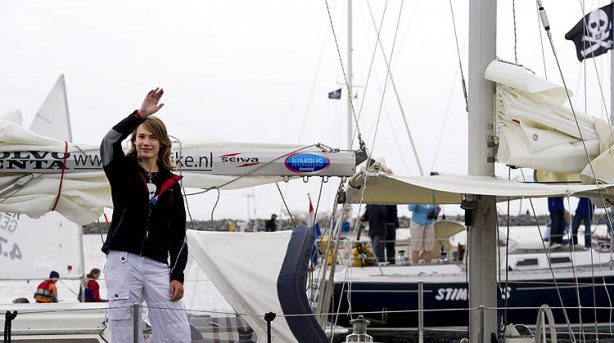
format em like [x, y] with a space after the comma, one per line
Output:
[306, 163]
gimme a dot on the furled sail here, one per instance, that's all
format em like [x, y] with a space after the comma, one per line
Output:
[39, 174]
[31, 248]
[371, 185]
[537, 131]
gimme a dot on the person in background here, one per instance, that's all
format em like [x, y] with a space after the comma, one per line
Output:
[584, 214]
[47, 292]
[392, 224]
[146, 243]
[92, 289]
[376, 216]
[422, 230]
[271, 224]
[557, 221]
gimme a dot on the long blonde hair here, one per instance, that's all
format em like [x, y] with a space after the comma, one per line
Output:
[154, 125]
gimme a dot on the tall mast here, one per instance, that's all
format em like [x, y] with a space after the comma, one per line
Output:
[349, 78]
[482, 240]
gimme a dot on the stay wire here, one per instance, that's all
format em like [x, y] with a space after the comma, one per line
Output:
[605, 107]
[546, 25]
[394, 87]
[460, 61]
[573, 270]
[394, 41]
[541, 42]
[515, 33]
[283, 199]
[345, 78]
[554, 280]
[371, 64]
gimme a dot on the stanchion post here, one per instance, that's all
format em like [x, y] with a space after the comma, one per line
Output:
[269, 317]
[135, 316]
[420, 311]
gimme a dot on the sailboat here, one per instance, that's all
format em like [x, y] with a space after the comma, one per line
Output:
[34, 165]
[424, 190]
[392, 292]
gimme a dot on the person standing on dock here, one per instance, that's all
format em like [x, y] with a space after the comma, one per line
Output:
[147, 230]
[271, 224]
[584, 213]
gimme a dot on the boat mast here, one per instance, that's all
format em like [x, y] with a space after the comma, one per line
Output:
[481, 212]
[349, 78]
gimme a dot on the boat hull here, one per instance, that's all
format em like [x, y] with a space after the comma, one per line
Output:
[395, 304]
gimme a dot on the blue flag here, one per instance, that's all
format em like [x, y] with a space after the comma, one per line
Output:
[335, 94]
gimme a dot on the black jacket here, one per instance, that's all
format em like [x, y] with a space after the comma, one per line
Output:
[155, 229]
[376, 215]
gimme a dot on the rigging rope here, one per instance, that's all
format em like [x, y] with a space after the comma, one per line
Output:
[394, 86]
[460, 62]
[345, 78]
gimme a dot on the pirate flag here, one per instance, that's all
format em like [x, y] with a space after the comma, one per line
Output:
[593, 33]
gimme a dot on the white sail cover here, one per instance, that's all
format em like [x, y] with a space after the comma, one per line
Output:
[537, 131]
[376, 187]
[244, 267]
[85, 192]
[31, 248]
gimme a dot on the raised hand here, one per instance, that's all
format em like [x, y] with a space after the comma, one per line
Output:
[150, 104]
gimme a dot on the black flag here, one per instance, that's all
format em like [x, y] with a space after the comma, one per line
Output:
[335, 94]
[596, 37]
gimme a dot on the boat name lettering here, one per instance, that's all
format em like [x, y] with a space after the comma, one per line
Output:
[306, 163]
[8, 250]
[9, 221]
[453, 294]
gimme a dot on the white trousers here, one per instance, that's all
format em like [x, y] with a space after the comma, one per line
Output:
[130, 279]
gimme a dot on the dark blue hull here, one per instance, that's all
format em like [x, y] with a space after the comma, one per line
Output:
[446, 304]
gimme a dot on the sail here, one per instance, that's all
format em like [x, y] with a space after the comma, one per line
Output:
[53, 119]
[31, 248]
[261, 272]
[375, 187]
[41, 174]
[537, 131]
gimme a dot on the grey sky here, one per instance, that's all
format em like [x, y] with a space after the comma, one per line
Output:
[261, 70]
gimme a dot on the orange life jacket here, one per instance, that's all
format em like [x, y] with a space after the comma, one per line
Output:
[45, 292]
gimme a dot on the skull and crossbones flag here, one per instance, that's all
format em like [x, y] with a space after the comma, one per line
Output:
[592, 35]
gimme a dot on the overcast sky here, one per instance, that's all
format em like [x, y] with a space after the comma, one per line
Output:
[261, 70]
